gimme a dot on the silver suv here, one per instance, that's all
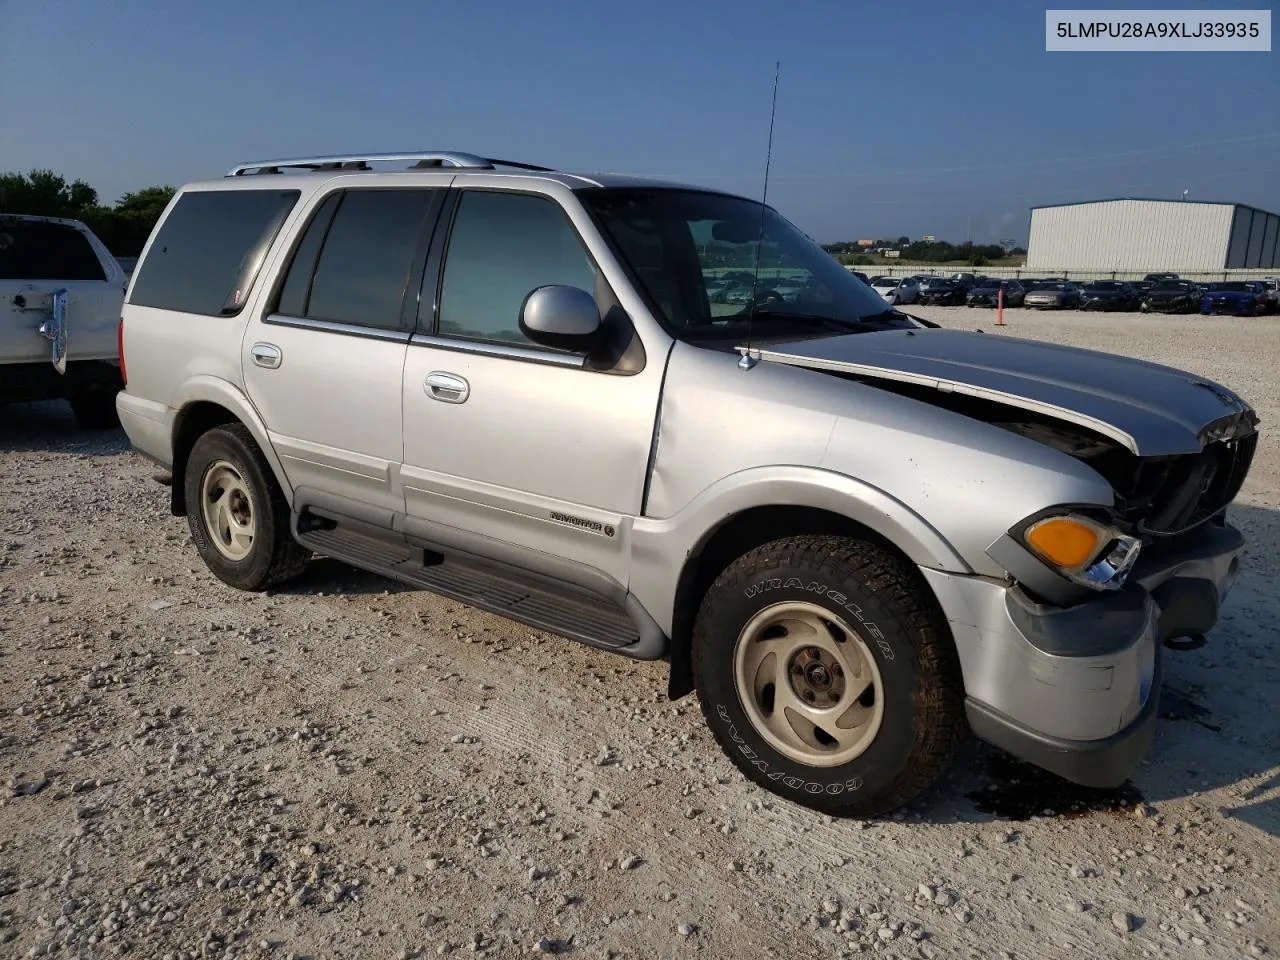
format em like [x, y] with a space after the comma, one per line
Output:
[855, 535]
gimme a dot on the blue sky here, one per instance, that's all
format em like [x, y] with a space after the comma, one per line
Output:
[893, 118]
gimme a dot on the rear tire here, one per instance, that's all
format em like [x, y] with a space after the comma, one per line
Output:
[95, 409]
[826, 672]
[238, 514]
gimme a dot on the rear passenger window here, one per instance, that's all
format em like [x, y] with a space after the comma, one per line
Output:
[209, 250]
[297, 285]
[36, 250]
[362, 246]
[503, 246]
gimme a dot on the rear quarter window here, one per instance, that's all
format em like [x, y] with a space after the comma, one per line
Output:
[36, 250]
[208, 251]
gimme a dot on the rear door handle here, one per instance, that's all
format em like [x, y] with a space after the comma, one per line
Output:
[266, 355]
[447, 387]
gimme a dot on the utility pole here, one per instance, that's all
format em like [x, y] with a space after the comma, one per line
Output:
[968, 237]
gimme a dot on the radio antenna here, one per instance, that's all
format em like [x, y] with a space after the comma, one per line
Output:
[747, 361]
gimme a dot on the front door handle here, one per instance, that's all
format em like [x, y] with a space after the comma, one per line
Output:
[447, 387]
[266, 355]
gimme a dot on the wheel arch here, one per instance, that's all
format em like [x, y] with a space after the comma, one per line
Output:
[209, 403]
[733, 517]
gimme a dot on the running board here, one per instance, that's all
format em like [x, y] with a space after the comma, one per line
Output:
[568, 612]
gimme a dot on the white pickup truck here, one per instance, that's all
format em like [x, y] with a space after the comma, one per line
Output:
[61, 292]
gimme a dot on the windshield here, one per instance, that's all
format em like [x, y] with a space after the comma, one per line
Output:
[1103, 285]
[1048, 285]
[1232, 287]
[674, 240]
[1171, 285]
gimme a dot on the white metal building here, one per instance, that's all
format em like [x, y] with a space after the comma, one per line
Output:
[1154, 235]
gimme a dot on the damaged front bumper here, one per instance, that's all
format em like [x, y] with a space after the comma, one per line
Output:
[1075, 689]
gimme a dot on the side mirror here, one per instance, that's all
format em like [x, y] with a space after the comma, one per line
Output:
[561, 317]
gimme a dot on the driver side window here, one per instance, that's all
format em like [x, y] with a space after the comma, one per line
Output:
[501, 247]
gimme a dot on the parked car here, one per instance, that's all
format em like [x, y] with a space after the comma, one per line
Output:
[861, 276]
[1014, 293]
[1108, 295]
[1245, 298]
[1154, 278]
[60, 296]
[720, 291]
[1052, 294]
[896, 290]
[1271, 289]
[987, 290]
[969, 279]
[942, 291]
[889, 535]
[1141, 288]
[1172, 296]
[787, 287]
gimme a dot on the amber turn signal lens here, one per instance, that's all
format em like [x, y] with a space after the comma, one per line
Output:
[1066, 541]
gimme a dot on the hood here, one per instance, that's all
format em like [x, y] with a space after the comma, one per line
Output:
[1170, 294]
[1047, 294]
[1150, 409]
[1101, 294]
[1230, 295]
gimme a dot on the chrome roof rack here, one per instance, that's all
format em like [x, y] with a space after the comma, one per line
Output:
[357, 162]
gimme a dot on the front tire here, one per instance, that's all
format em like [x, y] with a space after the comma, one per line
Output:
[237, 513]
[826, 673]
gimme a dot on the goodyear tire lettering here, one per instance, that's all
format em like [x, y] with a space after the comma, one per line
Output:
[791, 782]
[835, 596]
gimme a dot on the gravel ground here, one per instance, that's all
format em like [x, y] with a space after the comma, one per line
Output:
[347, 769]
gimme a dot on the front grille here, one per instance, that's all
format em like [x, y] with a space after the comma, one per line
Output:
[1189, 490]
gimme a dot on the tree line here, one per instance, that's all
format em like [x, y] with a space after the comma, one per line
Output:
[926, 251]
[123, 227]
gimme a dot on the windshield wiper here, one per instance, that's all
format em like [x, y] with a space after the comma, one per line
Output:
[860, 325]
[900, 315]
